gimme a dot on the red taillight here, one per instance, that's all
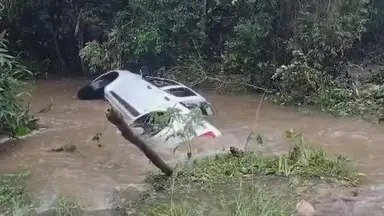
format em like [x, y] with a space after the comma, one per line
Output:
[209, 134]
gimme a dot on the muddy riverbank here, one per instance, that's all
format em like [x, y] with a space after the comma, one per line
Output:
[96, 169]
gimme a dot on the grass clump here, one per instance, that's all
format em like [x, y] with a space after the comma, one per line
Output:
[231, 200]
[67, 207]
[302, 161]
[14, 199]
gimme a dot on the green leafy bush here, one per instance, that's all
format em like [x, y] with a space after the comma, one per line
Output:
[14, 118]
[298, 81]
[96, 56]
[326, 30]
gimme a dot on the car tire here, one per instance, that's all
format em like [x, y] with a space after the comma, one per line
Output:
[93, 91]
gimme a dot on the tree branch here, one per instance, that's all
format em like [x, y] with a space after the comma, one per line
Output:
[238, 83]
[116, 119]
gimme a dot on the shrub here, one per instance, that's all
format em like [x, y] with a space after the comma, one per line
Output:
[14, 118]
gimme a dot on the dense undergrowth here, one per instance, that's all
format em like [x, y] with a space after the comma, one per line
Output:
[304, 52]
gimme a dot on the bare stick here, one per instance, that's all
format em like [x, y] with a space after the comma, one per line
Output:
[256, 121]
[238, 83]
[116, 119]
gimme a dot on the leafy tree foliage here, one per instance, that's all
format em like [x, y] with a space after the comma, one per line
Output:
[297, 48]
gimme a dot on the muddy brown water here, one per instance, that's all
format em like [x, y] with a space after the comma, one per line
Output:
[91, 174]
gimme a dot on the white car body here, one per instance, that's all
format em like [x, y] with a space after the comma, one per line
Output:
[136, 97]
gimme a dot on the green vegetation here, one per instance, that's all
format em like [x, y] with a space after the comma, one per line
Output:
[14, 199]
[302, 161]
[245, 183]
[302, 51]
[67, 207]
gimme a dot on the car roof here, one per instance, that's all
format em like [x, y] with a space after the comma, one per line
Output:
[147, 96]
[167, 85]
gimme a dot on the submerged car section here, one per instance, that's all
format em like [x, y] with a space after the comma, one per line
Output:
[139, 99]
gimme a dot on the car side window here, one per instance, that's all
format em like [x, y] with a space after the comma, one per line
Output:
[153, 123]
[109, 77]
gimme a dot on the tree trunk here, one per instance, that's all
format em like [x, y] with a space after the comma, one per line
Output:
[204, 17]
[116, 119]
[57, 48]
[79, 34]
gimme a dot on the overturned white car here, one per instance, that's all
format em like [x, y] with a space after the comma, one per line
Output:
[164, 109]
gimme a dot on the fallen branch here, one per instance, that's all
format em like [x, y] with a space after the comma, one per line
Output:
[116, 119]
[203, 76]
[238, 83]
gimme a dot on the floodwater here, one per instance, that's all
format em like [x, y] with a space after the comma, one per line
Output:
[98, 168]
